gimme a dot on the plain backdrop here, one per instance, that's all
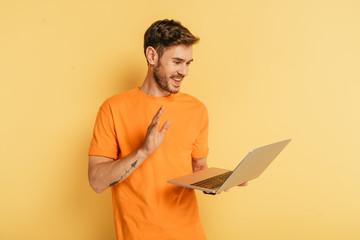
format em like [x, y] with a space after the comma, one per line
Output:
[266, 70]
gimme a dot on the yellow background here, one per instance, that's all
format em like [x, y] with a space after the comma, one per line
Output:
[267, 71]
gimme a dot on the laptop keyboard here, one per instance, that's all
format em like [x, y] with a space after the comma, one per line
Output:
[213, 182]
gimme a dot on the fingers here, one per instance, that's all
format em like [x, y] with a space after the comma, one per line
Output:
[158, 115]
[240, 185]
[154, 125]
[153, 134]
[226, 190]
[153, 128]
[243, 184]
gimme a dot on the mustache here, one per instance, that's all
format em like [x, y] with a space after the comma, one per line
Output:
[178, 76]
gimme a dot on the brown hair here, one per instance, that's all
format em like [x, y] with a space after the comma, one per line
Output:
[166, 33]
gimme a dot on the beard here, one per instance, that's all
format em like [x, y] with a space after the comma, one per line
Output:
[162, 82]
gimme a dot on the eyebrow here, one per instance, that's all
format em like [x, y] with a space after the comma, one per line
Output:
[183, 60]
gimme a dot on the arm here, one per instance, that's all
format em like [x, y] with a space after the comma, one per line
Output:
[105, 172]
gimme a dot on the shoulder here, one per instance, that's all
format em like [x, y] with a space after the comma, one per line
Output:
[119, 99]
[187, 98]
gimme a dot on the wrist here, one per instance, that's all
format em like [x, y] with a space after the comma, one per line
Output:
[142, 154]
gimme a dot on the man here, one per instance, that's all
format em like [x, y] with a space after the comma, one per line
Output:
[150, 134]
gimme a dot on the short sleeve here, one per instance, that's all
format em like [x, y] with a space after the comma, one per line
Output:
[200, 147]
[104, 142]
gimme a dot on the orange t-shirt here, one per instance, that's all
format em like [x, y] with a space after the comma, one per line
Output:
[145, 205]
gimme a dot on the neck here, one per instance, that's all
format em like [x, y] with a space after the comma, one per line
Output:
[150, 86]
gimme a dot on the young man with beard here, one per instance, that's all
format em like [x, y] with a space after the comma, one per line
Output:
[145, 136]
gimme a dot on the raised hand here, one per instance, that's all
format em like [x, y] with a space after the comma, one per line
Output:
[154, 137]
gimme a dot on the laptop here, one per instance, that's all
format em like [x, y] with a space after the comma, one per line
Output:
[215, 180]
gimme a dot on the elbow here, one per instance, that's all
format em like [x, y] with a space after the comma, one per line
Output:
[94, 185]
[97, 189]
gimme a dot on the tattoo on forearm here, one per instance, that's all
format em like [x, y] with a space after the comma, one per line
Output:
[133, 165]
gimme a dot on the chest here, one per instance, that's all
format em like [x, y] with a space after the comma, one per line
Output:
[131, 123]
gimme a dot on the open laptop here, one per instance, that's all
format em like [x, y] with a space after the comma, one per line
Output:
[216, 180]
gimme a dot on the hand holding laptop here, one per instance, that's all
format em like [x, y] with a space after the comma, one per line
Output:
[240, 185]
[227, 190]
[216, 180]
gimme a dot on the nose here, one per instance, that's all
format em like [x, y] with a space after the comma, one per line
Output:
[184, 70]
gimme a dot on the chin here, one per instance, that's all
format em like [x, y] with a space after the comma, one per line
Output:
[175, 90]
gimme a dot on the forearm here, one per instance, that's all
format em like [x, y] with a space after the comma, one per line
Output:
[105, 172]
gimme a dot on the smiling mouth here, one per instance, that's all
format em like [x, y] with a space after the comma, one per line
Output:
[177, 81]
[177, 78]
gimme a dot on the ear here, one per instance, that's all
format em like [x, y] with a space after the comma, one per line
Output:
[151, 55]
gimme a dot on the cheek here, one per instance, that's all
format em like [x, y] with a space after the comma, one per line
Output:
[168, 68]
[170, 71]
